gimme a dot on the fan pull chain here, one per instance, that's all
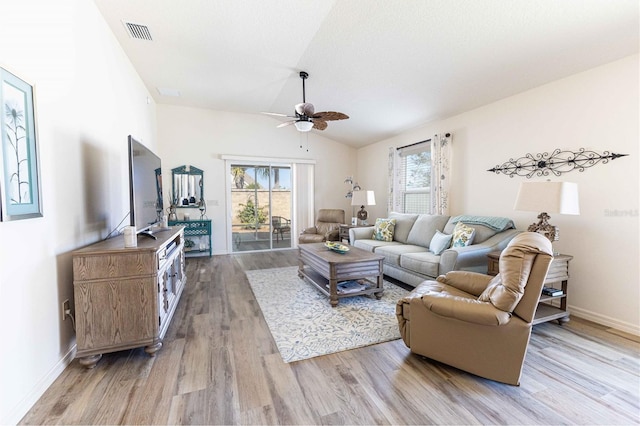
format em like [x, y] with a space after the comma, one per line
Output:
[303, 135]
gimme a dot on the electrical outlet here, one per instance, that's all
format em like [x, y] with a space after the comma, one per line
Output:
[65, 307]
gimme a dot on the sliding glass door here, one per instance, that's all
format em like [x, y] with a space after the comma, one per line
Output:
[260, 206]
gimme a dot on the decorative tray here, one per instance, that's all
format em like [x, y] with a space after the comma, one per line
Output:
[337, 247]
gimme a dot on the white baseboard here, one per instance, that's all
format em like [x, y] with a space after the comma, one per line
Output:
[19, 411]
[606, 321]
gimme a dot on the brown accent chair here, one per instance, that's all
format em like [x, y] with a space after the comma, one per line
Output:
[327, 227]
[479, 323]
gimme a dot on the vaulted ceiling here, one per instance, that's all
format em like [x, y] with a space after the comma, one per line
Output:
[390, 65]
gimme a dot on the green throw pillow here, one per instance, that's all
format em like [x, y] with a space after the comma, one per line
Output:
[383, 230]
[462, 235]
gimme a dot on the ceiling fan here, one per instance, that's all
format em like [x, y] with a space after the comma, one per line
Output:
[305, 117]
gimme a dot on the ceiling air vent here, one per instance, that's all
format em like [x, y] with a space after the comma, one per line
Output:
[137, 31]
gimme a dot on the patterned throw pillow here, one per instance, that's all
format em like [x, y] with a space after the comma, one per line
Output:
[440, 242]
[462, 235]
[383, 230]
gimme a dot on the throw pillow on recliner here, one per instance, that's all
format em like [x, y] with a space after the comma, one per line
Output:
[383, 229]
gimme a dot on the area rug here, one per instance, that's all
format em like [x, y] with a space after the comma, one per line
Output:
[303, 323]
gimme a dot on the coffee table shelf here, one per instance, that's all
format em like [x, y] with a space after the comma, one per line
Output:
[324, 285]
[325, 269]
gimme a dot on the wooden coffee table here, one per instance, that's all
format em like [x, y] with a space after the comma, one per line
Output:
[325, 268]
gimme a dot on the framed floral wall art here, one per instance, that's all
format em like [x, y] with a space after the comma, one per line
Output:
[19, 176]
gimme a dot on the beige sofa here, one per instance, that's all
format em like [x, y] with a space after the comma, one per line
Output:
[407, 257]
[479, 323]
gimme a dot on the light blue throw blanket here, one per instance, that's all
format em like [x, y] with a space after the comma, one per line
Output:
[493, 222]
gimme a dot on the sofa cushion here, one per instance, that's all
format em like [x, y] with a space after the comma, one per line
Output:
[383, 229]
[425, 263]
[425, 228]
[440, 242]
[462, 235]
[392, 254]
[484, 226]
[482, 234]
[372, 245]
[404, 223]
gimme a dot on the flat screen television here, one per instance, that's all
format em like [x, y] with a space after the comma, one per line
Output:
[145, 187]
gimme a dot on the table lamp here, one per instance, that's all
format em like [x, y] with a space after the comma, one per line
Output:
[547, 197]
[363, 198]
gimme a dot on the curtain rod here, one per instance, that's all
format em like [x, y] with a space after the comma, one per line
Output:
[412, 144]
[417, 143]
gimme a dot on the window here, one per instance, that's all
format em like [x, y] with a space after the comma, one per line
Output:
[419, 176]
[412, 178]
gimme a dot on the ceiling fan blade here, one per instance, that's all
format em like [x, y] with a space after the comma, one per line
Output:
[330, 115]
[276, 114]
[286, 123]
[319, 124]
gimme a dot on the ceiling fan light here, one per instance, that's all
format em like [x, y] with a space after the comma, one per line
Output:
[304, 126]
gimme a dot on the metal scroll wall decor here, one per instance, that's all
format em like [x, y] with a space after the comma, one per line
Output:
[558, 162]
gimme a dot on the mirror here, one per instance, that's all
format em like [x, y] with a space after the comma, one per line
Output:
[188, 188]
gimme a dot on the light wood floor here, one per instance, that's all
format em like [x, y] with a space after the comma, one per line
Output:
[219, 365]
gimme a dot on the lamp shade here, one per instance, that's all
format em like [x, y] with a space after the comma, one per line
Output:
[548, 197]
[363, 198]
[303, 126]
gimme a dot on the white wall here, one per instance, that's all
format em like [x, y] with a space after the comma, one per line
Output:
[597, 110]
[198, 137]
[88, 99]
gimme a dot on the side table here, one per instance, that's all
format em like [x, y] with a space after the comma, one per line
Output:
[344, 231]
[198, 230]
[550, 307]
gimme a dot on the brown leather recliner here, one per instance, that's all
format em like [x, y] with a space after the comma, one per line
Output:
[327, 227]
[479, 323]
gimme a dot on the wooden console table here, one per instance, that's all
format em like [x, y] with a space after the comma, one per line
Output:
[550, 307]
[125, 297]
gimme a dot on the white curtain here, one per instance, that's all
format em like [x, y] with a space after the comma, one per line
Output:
[391, 170]
[303, 199]
[441, 152]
